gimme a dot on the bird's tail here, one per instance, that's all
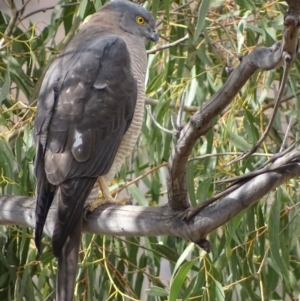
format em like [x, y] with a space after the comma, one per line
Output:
[67, 265]
[72, 195]
[67, 233]
[45, 194]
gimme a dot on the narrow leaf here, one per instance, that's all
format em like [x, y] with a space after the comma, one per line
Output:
[201, 18]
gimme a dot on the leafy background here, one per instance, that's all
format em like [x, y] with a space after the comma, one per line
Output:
[255, 256]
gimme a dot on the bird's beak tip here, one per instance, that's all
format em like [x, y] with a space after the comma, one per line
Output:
[154, 37]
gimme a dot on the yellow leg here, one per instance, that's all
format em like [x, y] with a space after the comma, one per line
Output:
[106, 197]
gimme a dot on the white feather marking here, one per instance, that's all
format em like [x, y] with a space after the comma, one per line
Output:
[78, 139]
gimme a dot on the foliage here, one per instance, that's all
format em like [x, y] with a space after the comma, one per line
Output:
[255, 256]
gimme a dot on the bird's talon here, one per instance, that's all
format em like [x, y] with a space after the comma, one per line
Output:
[124, 201]
[91, 206]
[97, 203]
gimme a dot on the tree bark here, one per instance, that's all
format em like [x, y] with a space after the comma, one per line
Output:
[127, 220]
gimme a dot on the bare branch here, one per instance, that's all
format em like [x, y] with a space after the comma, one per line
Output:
[260, 58]
[285, 99]
[160, 220]
[156, 49]
[188, 109]
[167, 131]
[44, 9]
[180, 111]
[287, 67]
[283, 162]
[286, 134]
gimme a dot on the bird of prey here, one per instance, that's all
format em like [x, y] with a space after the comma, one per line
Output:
[89, 115]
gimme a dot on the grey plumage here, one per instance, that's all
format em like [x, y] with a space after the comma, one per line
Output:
[88, 118]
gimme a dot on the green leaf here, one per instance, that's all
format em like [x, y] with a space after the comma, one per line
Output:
[177, 281]
[157, 291]
[180, 272]
[137, 195]
[182, 257]
[273, 230]
[219, 291]
[82, 8]
[201, 18]
[238, 141]
[6, 86]
[246, 4]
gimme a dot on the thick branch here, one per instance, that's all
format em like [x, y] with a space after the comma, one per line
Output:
[260, 58]
[160, 220]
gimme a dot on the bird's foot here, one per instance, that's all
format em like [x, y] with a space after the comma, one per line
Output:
[90, 207]
[123, 201]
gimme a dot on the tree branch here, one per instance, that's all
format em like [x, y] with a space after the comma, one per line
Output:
[263, 58]
[200, 122]
[173, 44]
[148, 221]
[44, 9]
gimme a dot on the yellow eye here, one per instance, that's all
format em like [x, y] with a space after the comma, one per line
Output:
[140, 20]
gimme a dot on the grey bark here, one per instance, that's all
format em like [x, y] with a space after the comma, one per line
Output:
[148, 221]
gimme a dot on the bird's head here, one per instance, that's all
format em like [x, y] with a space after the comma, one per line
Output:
[134, 19]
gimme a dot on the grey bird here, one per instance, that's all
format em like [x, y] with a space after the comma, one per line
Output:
[89, 115]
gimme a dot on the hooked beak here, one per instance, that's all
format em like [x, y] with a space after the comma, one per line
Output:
[154, 37]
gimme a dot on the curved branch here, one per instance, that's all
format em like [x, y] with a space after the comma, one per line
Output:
[260, 58]
[200, 122]
[148, 221]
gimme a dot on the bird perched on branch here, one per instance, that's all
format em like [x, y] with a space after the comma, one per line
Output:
[89, 116]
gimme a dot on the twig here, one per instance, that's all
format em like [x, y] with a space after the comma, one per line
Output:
[176, 119]
[167, 131]
[288, 65]
[285, 99]
[211, 200]
[286, 134]
[176, 9]
[225, 154]
[250, 175]
[44, 9]
[279, 155]
[154, 102]
[156, 49]
[289, 52]
[180, 111]
[118, 190]
[11, 25]
[21, 10]
[281, 159]
[242, 180]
